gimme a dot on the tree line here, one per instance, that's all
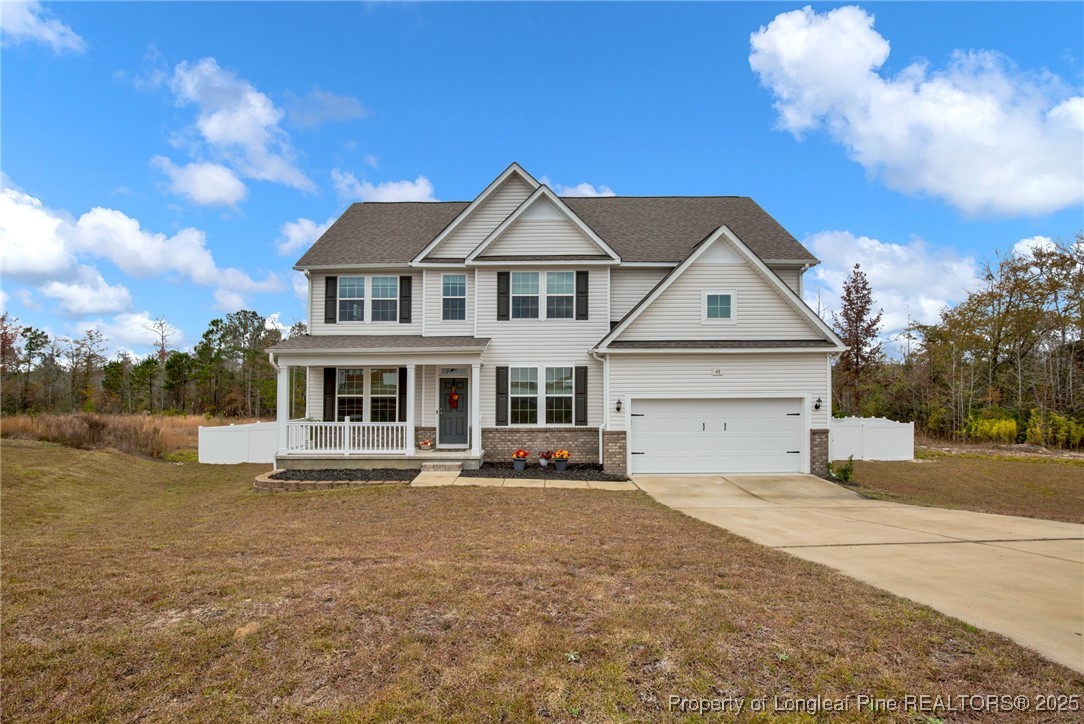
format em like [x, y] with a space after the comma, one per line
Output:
[227, 373]
[1005, 365]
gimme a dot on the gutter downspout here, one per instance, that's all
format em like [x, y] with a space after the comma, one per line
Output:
[605, 400]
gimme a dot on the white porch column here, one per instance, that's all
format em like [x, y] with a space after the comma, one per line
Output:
[282, 405]
[475, 410]
[410, 446]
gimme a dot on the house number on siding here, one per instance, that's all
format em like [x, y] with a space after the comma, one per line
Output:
[717, 372]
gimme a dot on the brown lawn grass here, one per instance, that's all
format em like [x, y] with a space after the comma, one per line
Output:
[172, 437]
[140, 589]
[1049, 488]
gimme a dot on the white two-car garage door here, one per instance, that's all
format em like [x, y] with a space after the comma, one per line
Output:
[717, 436]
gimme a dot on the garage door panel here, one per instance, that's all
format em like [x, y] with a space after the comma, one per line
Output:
[713, 436]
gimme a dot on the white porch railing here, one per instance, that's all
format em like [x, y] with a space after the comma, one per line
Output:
[346, 438]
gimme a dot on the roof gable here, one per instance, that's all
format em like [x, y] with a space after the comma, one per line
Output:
[543, 226]
[765, 307]
[474, 223]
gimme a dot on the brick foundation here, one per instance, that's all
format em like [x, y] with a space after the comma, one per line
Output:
[425, 433]
[818, 452]
[614, 451]
[582, 442]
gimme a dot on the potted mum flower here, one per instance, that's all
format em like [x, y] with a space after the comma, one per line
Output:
[425, 444]
[544, 457]
[519, 459]
[560, 459]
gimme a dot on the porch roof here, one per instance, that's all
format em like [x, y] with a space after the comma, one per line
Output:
[378, 343]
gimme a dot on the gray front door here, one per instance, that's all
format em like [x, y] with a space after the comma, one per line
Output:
[453, 411]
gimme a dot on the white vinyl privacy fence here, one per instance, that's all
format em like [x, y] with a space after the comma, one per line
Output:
[256, 442]
[870, 438]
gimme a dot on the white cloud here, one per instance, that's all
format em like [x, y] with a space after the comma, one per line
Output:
[274, 321]
[299, 234]
[3, 301]
[32, 245]
[207, 184]
[301, 286]
[320, 107]
[130, 329]
[583, 189]
[911, 282]
[30, 22]
[1024, 247]
[229, 301]
[239, 125]
[42, 245]
[88, 293]
[350, 189]
[982, 134]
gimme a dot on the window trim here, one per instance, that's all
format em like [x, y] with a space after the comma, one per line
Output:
[366, 394]
[571, 296]
[732, 319]
[444, 296]
[373, 298]
[339, 299]
[546, 395]
[373, 396]
[537, 296]
[541, 395]
[363, 395]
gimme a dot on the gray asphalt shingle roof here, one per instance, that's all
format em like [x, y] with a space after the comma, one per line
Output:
[639, 229]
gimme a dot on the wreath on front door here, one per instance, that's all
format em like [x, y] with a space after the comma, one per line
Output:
[453, 399]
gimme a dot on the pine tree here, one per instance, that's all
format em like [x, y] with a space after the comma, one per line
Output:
[858, 327]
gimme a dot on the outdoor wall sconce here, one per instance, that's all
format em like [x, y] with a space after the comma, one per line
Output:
[817, 404]
[618, 406]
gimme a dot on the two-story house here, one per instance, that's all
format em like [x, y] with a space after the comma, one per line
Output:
[650, 334]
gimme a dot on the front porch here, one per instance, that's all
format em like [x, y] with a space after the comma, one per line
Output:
[370, 406]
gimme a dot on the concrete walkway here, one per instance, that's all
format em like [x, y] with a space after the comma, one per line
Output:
[1020, 577]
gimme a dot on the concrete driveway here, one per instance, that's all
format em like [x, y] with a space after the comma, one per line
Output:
[1020, 577]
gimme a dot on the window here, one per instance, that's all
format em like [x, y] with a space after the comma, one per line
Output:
[523, 395]
[718, 307]
[385, 299]
[350, 395]
[351, 299]
[383, 394]
[560, 290]
[524, 295]
[559, 395]
[454, 297]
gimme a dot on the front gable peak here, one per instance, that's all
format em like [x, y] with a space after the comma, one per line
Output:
[543, 226]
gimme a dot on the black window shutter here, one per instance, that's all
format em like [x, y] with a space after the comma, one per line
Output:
[405, 284]
[329, 394]
[581, 295]
[504, 286]
[502, 396]
[580, 392]
[331, 300]
[402, 393]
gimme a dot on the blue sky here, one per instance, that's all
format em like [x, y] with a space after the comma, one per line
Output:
[174, 160]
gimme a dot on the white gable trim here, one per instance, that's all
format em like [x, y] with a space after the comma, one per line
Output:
[541, 192]
[771, 277]
[515, 168]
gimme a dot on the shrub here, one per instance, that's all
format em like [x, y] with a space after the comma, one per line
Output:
[991, 430]
[843, 473]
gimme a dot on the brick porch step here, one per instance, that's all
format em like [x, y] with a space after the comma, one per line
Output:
[443, 466]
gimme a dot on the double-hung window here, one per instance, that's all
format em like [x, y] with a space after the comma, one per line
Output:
[351, 299]
[560, 291]
[523, 395]
[524, 295]
[454, 297]
[718, 307]
[559, 388]
[383, 394]
[350, 395]
[385, 299]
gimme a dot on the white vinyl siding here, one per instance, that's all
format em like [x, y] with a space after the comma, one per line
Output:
[628, 285]
[791, 276]
[760, 309]
[489, 214]
[433, 290]
[542, 229]
[314, 393]
[740, 375]
[316, 308]
[542, 342]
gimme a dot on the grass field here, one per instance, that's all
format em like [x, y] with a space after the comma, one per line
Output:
[142, 589]
[1033, 487]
